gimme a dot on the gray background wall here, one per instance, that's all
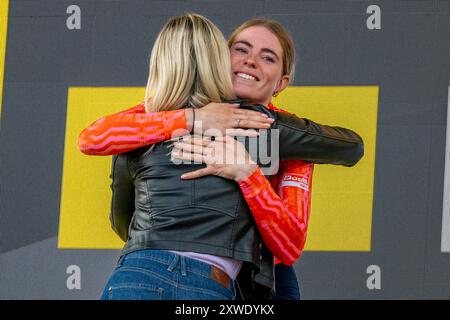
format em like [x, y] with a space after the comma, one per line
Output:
[408, 59]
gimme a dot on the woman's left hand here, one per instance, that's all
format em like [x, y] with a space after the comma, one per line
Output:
[224, 157]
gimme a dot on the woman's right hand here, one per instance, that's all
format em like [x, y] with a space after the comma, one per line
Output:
[224, 157]
[227, 118]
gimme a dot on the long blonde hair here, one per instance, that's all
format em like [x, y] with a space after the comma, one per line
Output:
[189, 65]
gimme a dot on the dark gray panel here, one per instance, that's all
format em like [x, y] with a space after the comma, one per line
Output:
[140, 8]
[340, 50]
[49, 8]
[32, 139]
[436, 262]
[122, 50]
[408, 58]
[42, 49]
[41, 273]
[346, 7]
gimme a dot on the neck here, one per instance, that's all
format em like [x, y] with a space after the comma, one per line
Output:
[250, 101]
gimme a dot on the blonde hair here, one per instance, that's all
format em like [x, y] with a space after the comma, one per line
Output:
[283, 36]
[189, 65]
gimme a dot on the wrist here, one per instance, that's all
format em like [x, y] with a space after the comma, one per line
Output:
[254, 184]
[244, 172]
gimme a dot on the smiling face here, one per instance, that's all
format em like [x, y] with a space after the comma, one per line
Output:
[257, 65]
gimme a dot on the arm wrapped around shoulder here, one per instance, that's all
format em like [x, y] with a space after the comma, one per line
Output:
[304, 139]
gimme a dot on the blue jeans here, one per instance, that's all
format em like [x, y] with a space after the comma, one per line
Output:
[286, 284]
[163, 275]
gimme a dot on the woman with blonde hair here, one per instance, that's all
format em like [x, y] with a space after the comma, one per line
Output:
[187, 66]
[186, 69]
[189, 239]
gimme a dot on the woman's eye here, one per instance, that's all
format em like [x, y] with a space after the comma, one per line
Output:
[241, 50]
[268, 59]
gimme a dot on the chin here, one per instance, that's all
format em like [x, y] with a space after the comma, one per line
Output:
[245, 94]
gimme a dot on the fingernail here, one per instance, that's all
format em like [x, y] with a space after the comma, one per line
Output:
[267, 125]
[271, 119]
[183, 176]
[264, 115]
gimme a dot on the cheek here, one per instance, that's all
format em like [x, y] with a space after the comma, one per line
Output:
[234, 60]
[273, 76]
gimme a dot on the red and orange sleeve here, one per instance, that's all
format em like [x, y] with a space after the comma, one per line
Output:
[281, 210]
[131, 129]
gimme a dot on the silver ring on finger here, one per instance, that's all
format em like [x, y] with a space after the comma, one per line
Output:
[238, 121]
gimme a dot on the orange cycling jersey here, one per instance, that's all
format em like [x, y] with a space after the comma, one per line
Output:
[280, 205]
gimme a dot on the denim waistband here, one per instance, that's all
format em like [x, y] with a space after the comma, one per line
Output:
[171, 259]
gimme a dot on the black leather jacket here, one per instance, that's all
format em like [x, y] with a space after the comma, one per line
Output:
[153, 208]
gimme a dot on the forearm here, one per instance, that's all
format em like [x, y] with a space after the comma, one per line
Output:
[310, 141]
[131, 129]
[303, 139]
[281, 221]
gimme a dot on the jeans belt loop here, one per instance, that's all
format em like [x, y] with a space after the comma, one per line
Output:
[174, 263]
[183, 266]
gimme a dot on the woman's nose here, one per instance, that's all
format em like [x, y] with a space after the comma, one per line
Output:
[250, 61]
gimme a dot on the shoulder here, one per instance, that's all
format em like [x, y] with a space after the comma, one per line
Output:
[273, 108]
[294, 165]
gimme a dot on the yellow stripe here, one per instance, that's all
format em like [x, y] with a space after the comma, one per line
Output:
[4, 4]
[342, 198]
[85, 193]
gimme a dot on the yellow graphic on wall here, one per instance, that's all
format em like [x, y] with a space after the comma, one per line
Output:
[4, 4]
[342, 198]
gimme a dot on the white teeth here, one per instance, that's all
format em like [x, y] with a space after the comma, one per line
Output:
[245, 76]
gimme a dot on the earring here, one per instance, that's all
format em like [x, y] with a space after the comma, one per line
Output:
[275, 94]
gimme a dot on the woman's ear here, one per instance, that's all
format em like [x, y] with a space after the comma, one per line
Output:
[282, 83]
